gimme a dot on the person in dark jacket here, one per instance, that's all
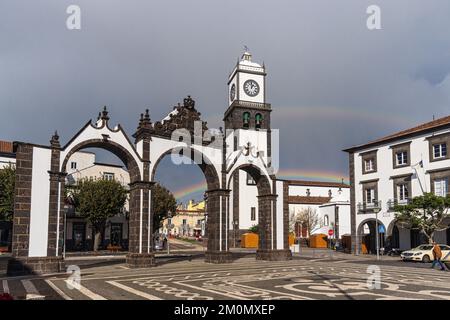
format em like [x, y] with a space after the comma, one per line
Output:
[437, 253]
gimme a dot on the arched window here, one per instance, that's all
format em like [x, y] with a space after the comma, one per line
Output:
[326, 220]
[246, 119]
[258, 120]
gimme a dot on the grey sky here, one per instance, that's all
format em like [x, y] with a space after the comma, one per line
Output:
[332, 82]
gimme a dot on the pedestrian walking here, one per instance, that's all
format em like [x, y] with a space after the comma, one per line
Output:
[437, 253]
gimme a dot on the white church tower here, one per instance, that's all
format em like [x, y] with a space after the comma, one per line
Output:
[248, 114]
[247, 124]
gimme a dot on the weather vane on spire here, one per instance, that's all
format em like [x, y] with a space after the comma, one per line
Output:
[245, 48]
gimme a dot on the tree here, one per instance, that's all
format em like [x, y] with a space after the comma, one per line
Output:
[425, 213]
[254, 229]
[308, 218]
[163, 203]
[7, 181]
[96, 201]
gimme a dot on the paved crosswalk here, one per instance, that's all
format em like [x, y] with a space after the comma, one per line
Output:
[26, 289]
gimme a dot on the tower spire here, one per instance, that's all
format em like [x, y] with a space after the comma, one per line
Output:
[246, 55]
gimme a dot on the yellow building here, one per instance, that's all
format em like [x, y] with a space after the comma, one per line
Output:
[189, 220]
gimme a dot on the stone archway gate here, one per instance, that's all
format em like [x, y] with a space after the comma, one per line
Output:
[38, 235]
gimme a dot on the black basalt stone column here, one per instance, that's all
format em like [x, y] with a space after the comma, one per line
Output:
[140, 249]
[267, 233]
[218, 207]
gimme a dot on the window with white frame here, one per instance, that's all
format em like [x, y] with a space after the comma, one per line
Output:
[369, 165]
[370, 195]
[326, 220]
[402, 158]
[402, 192]
[440, 187]
[439, 150]
[108, 176]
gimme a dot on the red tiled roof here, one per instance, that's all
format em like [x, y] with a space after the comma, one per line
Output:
[405, 133]
[6, 147]
[308, 200]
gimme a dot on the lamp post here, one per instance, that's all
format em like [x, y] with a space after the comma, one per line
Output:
[376, 210]
[169, 225]
[66, 207]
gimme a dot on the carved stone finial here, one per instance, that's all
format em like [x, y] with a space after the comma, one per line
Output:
[147, 115]
[54, 142]
[104, 115]
[189, 102]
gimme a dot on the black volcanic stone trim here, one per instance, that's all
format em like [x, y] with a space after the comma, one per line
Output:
[218, 257]
[22, 203]
[274, 255]
[35, 265]
[140, 260]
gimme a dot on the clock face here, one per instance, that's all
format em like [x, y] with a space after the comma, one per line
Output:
[251, 88]
[232, 92]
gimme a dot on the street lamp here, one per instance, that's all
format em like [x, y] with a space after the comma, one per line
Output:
[169, 225]
[376, 210]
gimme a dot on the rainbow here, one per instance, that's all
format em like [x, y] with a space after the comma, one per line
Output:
[193, 191]
[314, 175]
[196, 190]
[319, 112]
[334, 112]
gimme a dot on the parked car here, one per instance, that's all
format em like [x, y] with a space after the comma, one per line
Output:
[394, 252]
[424, 253]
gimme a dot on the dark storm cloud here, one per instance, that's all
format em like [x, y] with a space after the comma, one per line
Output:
[332, 82]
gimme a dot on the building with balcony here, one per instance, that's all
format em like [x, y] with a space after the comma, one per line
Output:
[390, 171]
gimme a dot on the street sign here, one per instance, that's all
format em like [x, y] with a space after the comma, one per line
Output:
[330, 232]
[381, 229]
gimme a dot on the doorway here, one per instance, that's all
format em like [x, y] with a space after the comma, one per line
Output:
[116, 234]
[79, 236]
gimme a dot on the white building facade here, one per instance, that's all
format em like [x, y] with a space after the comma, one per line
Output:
[391, 171]
[79, 232]
[329, 200]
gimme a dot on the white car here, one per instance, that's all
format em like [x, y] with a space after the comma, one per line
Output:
[424, 253]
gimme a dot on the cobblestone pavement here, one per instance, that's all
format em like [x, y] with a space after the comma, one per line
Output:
[313, 276]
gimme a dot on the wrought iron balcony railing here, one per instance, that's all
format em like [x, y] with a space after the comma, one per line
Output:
[369, 207]
[395, 202]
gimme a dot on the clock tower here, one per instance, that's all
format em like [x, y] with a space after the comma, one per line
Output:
[247, 118]
[247, 107]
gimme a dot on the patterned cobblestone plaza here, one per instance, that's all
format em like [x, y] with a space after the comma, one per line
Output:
[315, 275]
